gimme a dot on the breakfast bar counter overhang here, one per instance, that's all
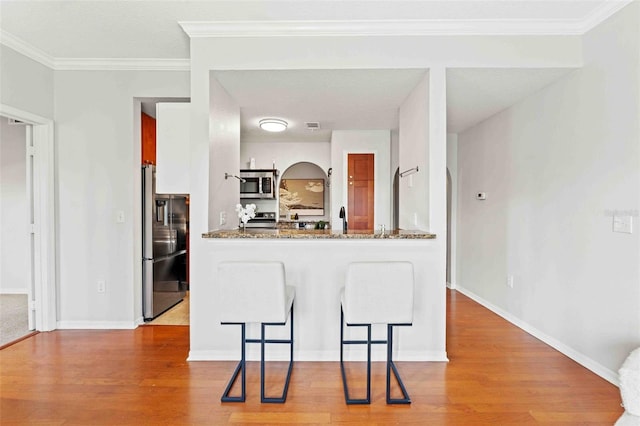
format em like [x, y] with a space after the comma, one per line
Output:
[316, 264]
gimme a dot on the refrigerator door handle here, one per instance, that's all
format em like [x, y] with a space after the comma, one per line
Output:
[161, 208]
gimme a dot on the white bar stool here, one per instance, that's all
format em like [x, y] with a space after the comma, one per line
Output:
[255, 292]
[376, 293]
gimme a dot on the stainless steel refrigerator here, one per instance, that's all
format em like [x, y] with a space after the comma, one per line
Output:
[164, 247]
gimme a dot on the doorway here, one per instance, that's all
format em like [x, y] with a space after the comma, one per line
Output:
[40, 218]
[361, 190]
[16, 212]
[164, 276]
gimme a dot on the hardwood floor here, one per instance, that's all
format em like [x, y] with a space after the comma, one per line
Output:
[497, 375]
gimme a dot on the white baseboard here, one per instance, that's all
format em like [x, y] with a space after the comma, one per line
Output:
[578, 357]
[96, 325]
[14, 291]
[253, 354]
[451, 286]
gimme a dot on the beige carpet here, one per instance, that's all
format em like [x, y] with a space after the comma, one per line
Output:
[14, 320]
[178, 315]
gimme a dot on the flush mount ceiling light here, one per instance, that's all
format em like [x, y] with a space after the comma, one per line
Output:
[273, 125]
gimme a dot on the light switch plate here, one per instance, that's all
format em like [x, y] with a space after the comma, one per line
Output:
[623, 224]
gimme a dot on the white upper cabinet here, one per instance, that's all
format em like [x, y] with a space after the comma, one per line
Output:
[172, 148]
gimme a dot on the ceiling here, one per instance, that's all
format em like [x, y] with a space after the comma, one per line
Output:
[369, 99]
[475, 94]
[75, 33]
[338, 99]
[149, 29]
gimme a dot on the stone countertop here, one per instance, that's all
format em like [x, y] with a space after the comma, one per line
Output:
[312, 234]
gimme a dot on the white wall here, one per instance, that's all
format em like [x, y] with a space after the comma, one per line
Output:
[98, 173]
[377, 142]
[414, 152]
[246, 53]
[25, 84]
[395, 164]
[554, 166]
[97, 158]
[395, 152]
[286, 154]
[452, 166]
[224, 154]
[14, 211]
[316, 268]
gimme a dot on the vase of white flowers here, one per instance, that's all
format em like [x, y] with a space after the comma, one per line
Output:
[245, 213]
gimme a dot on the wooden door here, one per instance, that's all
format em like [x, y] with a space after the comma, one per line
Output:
[361, 190]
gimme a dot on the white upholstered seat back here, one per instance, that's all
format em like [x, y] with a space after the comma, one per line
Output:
[630, 383]
[253, 292]
[378, 292]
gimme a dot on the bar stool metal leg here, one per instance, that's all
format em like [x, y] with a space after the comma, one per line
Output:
[391, 366]
[240, 368]
[343, 342]
[263, 342]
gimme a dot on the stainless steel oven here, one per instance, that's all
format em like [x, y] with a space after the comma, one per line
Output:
[257, 183]
[263, 220]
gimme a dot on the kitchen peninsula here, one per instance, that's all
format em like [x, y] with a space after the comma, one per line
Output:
[316, 262]
[312, 234]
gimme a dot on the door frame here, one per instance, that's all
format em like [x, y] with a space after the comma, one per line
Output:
[43, 255]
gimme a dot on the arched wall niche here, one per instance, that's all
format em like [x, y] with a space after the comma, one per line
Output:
[294, 192]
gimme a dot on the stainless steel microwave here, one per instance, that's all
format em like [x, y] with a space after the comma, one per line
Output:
[257, 183]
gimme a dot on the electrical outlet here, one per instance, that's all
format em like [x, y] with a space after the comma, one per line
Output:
[623, 224]
[510, 281]
[102, 286]
[119, 216]
[223, 218]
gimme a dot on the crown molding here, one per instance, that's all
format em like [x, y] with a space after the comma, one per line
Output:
[602, 13]
[26, 49]
[121, 64]
[406, 27]
[440, 27]
[92, 64]
[379, 28]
